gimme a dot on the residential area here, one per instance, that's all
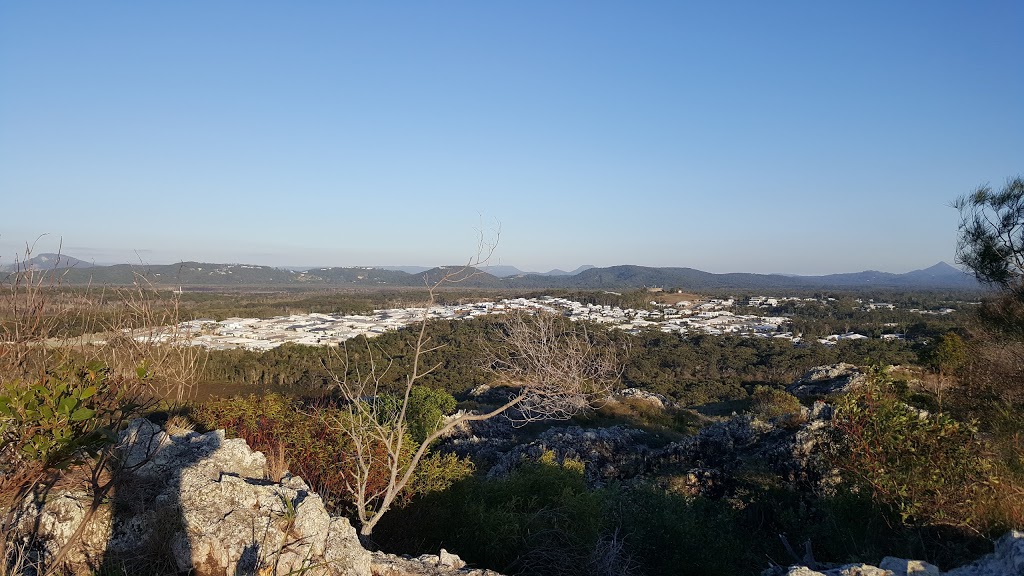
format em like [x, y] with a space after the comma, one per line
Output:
[713, 316]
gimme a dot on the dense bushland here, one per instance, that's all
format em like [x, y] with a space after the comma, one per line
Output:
[692, 370]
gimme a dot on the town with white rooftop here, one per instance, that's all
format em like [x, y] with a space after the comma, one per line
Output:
[713, 316]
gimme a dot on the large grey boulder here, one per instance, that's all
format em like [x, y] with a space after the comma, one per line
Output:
[828, 380]
[198, 503]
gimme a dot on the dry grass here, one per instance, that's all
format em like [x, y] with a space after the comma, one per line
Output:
[277, 464]
[673, 298]
[179, 424]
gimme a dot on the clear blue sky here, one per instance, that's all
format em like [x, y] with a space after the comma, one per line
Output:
[802, 137]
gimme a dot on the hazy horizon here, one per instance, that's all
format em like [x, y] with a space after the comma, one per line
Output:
[796, 138]
[5, 260]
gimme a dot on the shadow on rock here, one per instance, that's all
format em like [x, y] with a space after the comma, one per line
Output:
[201, 504]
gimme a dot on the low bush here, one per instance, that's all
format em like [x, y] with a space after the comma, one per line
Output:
[930, 468]
[772, 404]
[311, 444]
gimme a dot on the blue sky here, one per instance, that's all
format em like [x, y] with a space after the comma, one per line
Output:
[800, 137]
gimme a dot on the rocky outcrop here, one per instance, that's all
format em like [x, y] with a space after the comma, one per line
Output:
[197, 503]
[1006, 560]
[652, 398]
[706, 461]
[710, 461]
[613, 453]
[827, 381]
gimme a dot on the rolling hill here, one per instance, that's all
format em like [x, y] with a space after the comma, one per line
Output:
[77, 272]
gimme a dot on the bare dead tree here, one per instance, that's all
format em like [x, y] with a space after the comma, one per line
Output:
[551, 362]
[554, 364]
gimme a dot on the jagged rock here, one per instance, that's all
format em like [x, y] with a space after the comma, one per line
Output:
[58, 517]
[650, 397]
[446, 558]
[827, 380]
[443, 564]
[608, 454]
[708, 462]
[200, 503]
[846, 570]
[1008, 558]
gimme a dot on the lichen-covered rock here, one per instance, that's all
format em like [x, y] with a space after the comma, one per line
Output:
[902, 566]
[845, 570]
[200, 503]
[657, 400]
[710, 461]
[58, 518]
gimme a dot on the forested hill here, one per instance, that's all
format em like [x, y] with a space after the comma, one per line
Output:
[939, 276]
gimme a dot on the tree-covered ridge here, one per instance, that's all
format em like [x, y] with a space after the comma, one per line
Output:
[939, 276]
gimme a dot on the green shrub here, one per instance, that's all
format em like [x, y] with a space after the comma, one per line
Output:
[425, 413]
[770, 403]
[930, 468]
[67, 415]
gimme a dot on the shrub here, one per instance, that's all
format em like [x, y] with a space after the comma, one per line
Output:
[930, 468]
[314, 447]
[770, 404]
[67, 415]
[426, 411]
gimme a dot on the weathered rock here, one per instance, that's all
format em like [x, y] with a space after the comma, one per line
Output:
[612, 453]
[200, 503]
[709, 462]
[58, 519]
[845, 570]
[827, 380]
[1008, 558]
[443, 564]
[901, 567]
[643, 395]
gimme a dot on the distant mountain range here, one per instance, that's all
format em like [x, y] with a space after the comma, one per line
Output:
[506, 271]
[499, 271]
[74, 271]
[47, 262]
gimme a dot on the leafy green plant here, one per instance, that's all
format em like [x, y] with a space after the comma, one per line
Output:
[425, 412]
[60, 419]
[930, 468]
